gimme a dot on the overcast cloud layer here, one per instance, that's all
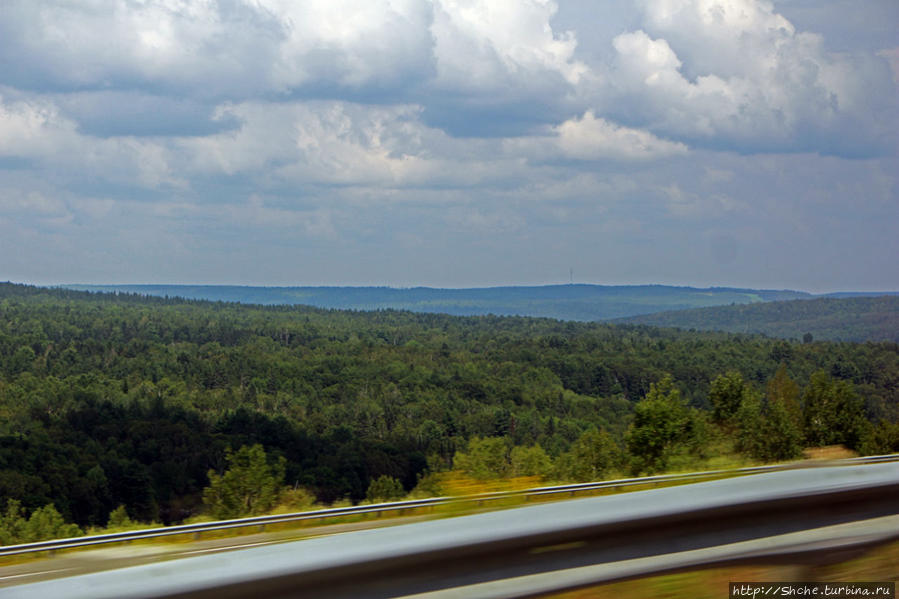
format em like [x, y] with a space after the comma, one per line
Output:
[450, 142]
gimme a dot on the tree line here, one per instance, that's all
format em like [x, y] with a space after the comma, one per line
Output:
[110, 400]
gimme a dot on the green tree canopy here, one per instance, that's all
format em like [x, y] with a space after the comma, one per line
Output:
[726, 393]
[46, 523]
[832, 412]
[592, 457]
[663, 424]
[385, 488]
[251, 485]
[530, 461]
[484, 459]
[767, 431]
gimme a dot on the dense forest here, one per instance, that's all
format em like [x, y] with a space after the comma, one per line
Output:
[118, 399]
[832, 319]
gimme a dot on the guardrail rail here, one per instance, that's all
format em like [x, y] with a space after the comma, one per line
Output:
[330, 513]
[532, 550]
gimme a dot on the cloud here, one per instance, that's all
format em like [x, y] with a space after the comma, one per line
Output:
[482, 45]
[721, 73]
[241, 48]
[592, 138]
[734, 73]
[317, 143]
[36, 130]
[706, 206]
[380, 44]
[892, 56]
[34, 205]
[603, 135]
[115, 113]
[258, 214]
[200, 48]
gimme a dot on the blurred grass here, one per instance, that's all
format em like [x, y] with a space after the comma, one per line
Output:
[877, 565]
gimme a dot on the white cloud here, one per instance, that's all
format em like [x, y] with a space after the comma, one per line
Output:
[346, 144]
[592, 138]
[732, 38]
[243, 48]
[352, 43]
[36, 130]
[728, 73]
[735, 72]
[488, 44]
[322, 142]
[33, 129]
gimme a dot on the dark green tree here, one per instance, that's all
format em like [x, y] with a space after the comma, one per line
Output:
[782, 434]
[12, 523]
[530, 461]
[485, 458]
[385, 488]
[726, 394]
[119, 520]
[592, 457]
[832, 412]
[251, 484]
[749, 419]
[46, 523]
[663, 424]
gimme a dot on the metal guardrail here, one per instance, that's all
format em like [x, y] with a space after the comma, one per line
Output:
[528, 551]
[570, 489]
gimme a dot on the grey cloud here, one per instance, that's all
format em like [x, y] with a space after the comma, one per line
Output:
[453, 59]
[439, 142]
[124, 113]
[846, 25]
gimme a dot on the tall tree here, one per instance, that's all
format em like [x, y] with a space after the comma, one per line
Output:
[726, 394]
[251, 485]
[484, 459]
[663, 424]
[592, 457]
[832, 412]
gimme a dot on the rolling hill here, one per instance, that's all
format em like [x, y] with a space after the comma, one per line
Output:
[825, 318]
[563, 302]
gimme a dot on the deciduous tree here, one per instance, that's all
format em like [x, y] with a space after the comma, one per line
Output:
[250, 486]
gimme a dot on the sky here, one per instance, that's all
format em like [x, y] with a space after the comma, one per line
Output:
[450, 143]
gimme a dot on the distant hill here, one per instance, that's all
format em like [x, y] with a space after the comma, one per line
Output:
[826, 318]
[564, 302]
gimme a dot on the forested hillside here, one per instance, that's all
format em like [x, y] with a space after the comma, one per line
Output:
[120, 399]
[565, 302]
[834, 319]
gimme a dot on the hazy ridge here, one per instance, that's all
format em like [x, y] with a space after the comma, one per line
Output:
[826, 318]
[563, 302]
